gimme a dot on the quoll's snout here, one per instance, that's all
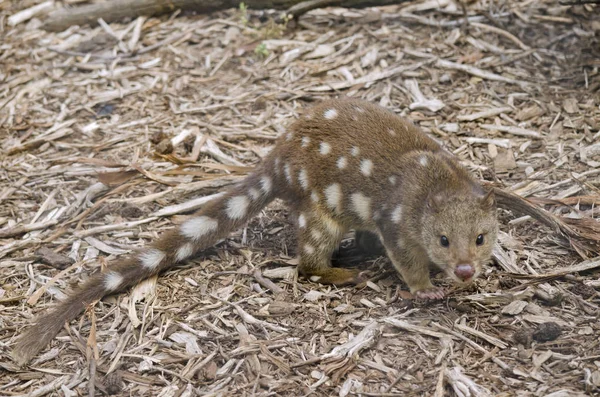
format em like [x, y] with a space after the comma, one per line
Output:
[464, 271]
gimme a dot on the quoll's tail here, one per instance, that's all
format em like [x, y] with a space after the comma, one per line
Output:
[213, 222]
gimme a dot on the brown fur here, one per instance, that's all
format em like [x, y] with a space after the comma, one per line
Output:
[346, 164]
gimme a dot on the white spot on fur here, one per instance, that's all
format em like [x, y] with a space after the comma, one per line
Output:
[253, 193]
[400, 243]
[361, 204]
[197, 227]
[288, 136]
[423, 160]
[184, 252]
[397, 214]
[309, 249]
[288, 172]
[302, 220]
[366, 167]
[392, 180]
[392, 132]
[266, 184]
[277, 171]
[314, 197]
[237, 207]
[324, 148]
[355, 151]
[305, 141]
[330, 114]
[315, 279]
[303, 178]
[333, 195]
[151, 259]
[342, 162]
[316, 234]
[112, 281]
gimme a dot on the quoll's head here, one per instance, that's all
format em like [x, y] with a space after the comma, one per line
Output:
[459, 232]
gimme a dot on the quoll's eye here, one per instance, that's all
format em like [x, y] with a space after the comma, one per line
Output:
[444, 241]
[479, 240]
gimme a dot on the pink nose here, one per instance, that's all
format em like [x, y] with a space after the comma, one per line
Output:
[464, 272]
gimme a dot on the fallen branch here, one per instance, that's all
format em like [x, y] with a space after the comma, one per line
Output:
[18, 230]
[116, 10]
[583, 234]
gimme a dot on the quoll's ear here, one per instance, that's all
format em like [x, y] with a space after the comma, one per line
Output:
[434, 201]
[488, 200]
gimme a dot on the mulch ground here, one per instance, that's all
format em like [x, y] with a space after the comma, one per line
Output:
[110, 134]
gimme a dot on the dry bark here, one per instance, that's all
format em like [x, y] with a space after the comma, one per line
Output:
[116, 10]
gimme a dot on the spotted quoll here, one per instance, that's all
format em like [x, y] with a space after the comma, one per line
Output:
[346, 164]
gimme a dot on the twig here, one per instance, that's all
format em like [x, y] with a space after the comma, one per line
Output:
[512, 130]
[18, 230]
[463, 385]
[267, 283]
[299, 9]
[191, 205]
[490, 339]
[439, 387]
[370, 78]
[477, 72]
[248, 318]
[501, 32]
[365, 338]
[444, 24]
[110, 228]
[413, 328]
[484, 114]
[505, 143]
[498, 361]
[30, 12]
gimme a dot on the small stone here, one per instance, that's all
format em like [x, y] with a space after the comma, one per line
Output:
[546, 332]
[587, 330]
[505, 160]
[445, 78]
[130, 212]
[281, 308]
[157, 137]
[524, 354]
[583, 290]
[113, 383]
[49, 257]
[595, 378]
[529, 113]
[523, 336]
[313, 295]
[570, 105]
[514, 308]
[165, 146]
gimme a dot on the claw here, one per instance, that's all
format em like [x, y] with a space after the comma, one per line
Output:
[361, 278]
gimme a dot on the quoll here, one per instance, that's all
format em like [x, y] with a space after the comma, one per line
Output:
[345, 164]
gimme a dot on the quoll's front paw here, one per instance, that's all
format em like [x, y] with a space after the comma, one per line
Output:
[430, 293]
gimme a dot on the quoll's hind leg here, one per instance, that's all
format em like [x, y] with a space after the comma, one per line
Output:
[413, 265]
[318, 236]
